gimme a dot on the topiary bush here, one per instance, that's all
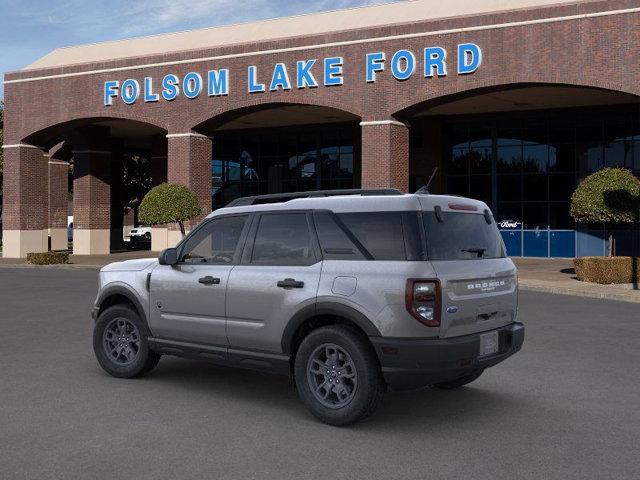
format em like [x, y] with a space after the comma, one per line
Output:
[48, 258]
[169, 203]
[607, 270]
[611, 195]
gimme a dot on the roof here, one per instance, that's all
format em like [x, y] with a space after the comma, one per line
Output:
[279, 28]
[356, 203]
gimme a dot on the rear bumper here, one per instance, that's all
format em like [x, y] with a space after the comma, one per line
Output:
[415, 363]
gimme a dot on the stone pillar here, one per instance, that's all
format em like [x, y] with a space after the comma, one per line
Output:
[25, 206]
[92, 192]
[58, 191]
[385, 154]
[159, 233]
[189, 164]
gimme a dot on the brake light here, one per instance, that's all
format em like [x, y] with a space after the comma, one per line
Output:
[422, 299]
[464, 207]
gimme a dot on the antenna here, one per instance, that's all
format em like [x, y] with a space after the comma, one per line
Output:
[425, 189]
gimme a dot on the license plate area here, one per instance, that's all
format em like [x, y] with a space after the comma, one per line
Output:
[489, 343]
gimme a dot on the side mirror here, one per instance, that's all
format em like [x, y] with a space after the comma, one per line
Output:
[168, 257]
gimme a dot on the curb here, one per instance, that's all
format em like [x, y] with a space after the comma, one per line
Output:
[66, 266]
[629, 297]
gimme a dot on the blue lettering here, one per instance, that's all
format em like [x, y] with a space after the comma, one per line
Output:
[434, 58]
[304, 77]
[333, 71]
[469, 58]
[375, 63]
[280, 78]
[192, 85]
[110, 92]
[130, 91]
[170, 87]
[403, 64]
[218, 82]
[254, 87]
[149, 96]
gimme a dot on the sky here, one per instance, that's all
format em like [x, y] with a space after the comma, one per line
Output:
[29, 29]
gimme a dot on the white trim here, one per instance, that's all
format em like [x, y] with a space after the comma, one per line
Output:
[190, 134]
[101, 152]
[331, 44]
[58, 162]
[20, 145]
[383, 122]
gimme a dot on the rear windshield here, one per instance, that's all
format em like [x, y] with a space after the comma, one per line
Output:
[462, 236]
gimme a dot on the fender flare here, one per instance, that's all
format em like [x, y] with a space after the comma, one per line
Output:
[112, 290]
[326, 308]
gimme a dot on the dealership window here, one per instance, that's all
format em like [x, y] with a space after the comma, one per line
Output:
[538, 158]
[262, 161]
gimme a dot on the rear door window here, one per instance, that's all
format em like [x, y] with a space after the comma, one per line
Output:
[283, 239]
[462, 236]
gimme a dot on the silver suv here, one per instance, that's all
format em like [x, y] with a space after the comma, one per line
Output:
[348, 292]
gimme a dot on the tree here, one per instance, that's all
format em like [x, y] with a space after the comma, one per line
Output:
[611, 195]
[169, 203]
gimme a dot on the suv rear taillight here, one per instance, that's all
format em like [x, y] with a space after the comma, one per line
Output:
[423, 301]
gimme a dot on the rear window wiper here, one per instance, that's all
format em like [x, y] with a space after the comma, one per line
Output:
[478, 250]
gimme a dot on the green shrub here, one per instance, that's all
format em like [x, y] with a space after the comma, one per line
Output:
[48, 258]
[606, 270]
[611, 195]
[169, 203]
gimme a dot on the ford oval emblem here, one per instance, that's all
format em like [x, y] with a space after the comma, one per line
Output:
[452, 309]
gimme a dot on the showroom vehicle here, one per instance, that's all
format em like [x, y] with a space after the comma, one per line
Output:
[349, 292]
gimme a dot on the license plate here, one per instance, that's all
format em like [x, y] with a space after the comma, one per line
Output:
[489, 343]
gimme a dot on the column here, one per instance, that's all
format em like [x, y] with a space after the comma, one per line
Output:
[58, 191]
[159, 233]
[189, 164]
[92, 192]
[25, 209]
[385, 154]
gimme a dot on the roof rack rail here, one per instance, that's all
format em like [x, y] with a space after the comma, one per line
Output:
[285, 197]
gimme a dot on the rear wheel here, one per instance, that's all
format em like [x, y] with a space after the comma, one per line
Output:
[459, 382]
[338, 376]
[120, 343]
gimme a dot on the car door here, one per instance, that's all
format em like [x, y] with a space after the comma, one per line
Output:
[279, 275]
[187, 300]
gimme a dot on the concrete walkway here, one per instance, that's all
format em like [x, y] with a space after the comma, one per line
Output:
[558, 276]
[535, 274]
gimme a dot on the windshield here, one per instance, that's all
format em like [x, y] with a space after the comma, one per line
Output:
[462, 236]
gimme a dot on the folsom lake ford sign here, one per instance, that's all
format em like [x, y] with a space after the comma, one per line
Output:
[308, 73]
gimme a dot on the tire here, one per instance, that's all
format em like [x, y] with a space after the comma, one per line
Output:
[459, 382]
[132, 358]
[353, 391]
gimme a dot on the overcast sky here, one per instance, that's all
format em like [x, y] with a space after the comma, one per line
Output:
[30, 29]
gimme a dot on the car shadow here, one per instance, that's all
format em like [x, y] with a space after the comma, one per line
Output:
[407, 411]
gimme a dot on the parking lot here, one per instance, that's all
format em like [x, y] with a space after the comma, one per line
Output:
[565, 407]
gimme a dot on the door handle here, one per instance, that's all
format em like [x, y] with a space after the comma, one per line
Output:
[290, 283]
[209, 280]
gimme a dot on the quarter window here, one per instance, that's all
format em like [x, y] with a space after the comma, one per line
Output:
[283, 239]
[381, 233]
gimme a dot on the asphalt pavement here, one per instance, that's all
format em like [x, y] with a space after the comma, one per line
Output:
[565, 407]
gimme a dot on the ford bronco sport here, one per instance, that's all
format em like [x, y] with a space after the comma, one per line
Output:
[349, 292]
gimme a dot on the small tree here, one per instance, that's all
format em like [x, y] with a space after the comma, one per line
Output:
[169, 203]
[611, 195]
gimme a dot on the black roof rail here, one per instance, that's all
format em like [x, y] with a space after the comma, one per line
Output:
[285, 197]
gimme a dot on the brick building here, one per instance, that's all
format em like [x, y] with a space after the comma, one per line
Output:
[513, 101]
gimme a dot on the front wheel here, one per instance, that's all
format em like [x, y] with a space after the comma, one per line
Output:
[338, 375]
[120, 343]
